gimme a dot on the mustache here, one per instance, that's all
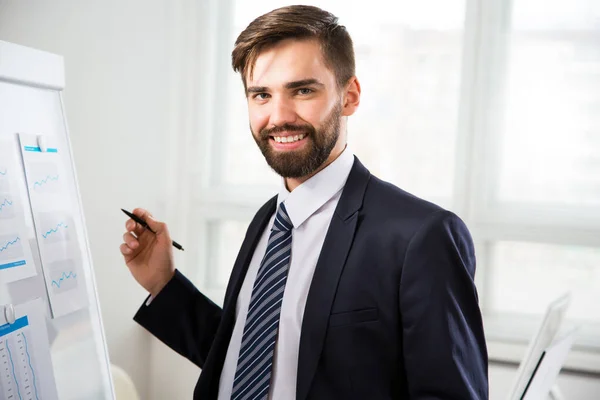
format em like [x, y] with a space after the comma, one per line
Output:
[265, 133]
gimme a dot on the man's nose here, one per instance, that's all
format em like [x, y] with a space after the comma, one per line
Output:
[283, 112]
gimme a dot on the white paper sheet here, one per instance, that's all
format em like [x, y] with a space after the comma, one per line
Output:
[549, 367]
[55, 228]
[26, 371]
[16, 261]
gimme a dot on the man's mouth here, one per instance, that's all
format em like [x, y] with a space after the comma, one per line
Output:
[288, 138]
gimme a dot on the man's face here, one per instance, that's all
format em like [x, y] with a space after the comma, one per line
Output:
[295, 108]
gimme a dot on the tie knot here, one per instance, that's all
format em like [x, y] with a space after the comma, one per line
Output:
[282, 220]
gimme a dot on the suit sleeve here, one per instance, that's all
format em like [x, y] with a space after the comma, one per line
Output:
[182, 318]
[445, 354]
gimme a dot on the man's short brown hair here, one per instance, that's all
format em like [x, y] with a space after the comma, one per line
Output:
[296, 22]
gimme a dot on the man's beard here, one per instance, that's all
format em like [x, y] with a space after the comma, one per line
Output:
[303, 162]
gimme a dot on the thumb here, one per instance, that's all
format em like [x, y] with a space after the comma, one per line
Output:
[160, 228]
[152, 223]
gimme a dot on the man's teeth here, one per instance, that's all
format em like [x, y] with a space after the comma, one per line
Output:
[289, 139]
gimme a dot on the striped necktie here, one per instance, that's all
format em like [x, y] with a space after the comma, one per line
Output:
[255, 361]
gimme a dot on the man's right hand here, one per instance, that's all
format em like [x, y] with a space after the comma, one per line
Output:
[149, 256]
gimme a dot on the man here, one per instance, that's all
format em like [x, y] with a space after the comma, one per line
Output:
[345, 286]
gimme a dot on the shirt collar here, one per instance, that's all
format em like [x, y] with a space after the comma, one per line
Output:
[311, 195]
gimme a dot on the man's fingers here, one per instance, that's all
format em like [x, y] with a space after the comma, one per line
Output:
[125, 250]
[130, 240]
[134, 227]
[156, 226]
[142, 213]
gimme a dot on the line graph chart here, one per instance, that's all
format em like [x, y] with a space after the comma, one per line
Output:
[17, 366]
[6, 207]
[35, 390]
[4, 179]
[63, 276]
[11, 252]
[43, 177]
[9, 243]
[53, 227]
[49, 178]
[5, 203]
[55, 230]
[12, 369]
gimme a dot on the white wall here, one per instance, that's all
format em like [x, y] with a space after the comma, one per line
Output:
[116, 84]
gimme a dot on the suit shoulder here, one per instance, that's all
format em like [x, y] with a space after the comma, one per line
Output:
[387, 208]
[386, 203]
[389, 200]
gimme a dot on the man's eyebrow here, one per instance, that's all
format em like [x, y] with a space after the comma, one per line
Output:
[303, 82]
[289, 85]
[256, 89]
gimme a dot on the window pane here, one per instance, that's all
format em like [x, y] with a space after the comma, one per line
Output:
[408, 63]
[551, 124]
[225, 238]
[526, 277]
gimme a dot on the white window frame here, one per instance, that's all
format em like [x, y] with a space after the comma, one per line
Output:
[193, 156]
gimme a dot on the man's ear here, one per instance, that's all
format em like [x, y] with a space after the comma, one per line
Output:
[351, 97]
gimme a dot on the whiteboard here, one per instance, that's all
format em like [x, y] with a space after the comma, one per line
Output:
[31, 83]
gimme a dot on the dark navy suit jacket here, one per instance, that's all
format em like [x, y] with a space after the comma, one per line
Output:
[392, 311]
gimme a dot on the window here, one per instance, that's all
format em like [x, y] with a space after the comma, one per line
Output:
[540, 218]
[488, 108]
[550, 130]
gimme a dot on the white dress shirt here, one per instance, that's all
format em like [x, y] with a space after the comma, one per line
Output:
[310, 207]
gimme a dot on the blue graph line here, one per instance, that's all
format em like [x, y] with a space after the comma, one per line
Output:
[13, 369]
[3, 173]
[9, 243]
[30, 366]
[41, 182]
[63, 277]
[55, 230]
[6, 202]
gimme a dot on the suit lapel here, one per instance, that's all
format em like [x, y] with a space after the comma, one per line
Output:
[327, 274]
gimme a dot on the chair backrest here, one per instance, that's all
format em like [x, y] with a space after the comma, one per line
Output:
[124, 386]
[543, 338]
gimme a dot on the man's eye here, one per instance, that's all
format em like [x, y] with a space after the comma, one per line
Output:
[305, 91]
[261, 96]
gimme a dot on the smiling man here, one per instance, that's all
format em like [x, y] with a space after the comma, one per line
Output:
[345, 287]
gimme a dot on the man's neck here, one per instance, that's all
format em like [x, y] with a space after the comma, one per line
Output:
[293, 183]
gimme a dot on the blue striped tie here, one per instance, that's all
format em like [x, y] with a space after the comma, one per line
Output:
[255, 361]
